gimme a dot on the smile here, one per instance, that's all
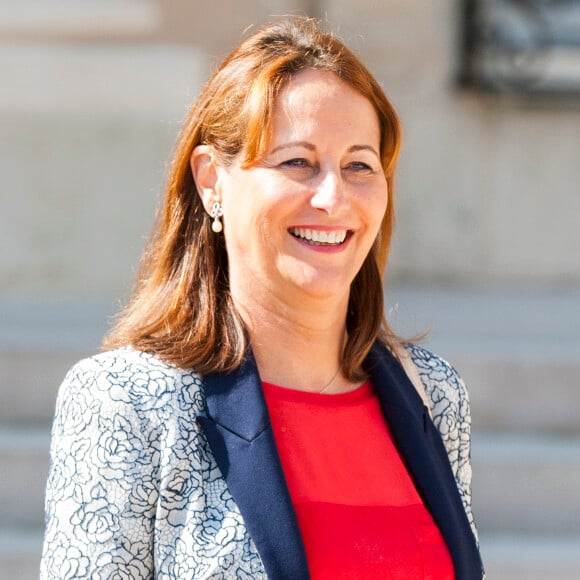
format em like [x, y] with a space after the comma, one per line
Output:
[320, 237]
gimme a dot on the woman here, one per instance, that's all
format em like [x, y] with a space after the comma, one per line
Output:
[251, 416]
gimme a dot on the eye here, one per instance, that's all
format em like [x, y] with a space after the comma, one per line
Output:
[359, 166]
[296, 163]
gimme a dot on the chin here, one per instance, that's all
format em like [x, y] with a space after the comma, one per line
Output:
[316, 281]
[321, 286]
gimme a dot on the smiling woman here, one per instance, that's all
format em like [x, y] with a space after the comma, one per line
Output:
[252, 415]
[320, 179]
[255, 113]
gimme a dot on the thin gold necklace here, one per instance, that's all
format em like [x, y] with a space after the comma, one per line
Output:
[325, 388]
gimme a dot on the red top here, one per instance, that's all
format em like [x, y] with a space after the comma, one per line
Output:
[358, 511]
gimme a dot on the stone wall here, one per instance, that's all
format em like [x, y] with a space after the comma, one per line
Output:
[487, 188]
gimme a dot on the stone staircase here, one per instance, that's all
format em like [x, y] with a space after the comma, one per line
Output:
[38, 343]
[518, 350]
[90, 104]
[519, 353]
[524, 391]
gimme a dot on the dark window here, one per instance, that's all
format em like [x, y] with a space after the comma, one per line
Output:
[525, 46]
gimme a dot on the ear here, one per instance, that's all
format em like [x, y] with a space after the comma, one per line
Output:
[204, 170]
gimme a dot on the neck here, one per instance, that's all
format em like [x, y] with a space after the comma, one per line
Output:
[297, 344]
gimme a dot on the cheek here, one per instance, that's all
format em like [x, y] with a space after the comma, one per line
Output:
[382, 205]
[245, 228]
[377, 207]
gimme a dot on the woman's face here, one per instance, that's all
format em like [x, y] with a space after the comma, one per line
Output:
[301, 220]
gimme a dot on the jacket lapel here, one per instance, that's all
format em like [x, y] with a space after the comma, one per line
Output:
[237, 428]
[426, 459]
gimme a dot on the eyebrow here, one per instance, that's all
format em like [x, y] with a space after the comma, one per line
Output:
[355, 148]
[311, 147]
[304, 144]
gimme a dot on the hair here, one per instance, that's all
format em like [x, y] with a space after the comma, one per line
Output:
[181, 308]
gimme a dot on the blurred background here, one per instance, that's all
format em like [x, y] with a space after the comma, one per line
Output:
[486, 252]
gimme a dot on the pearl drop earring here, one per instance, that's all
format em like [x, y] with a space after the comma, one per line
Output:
[217, 211]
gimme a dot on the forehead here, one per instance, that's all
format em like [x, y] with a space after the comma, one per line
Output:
[319, 99]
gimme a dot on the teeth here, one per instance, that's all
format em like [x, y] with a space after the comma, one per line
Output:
[319, 237]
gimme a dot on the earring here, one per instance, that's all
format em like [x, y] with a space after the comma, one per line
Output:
[217, 211]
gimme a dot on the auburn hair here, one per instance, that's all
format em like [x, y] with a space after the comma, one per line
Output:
[181, 308]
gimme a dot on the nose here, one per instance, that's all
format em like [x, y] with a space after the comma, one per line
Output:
[328, 192]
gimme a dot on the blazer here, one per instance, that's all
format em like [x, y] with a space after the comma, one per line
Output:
[158, 472]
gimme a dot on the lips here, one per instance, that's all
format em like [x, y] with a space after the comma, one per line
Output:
[320, 237]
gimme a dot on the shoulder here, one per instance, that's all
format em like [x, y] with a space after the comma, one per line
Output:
[431, 365]
[124, 360]
[126, 377]
[436, 373]
[449, 402]
[445, 390]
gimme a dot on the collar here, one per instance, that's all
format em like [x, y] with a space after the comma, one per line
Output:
[237, 427]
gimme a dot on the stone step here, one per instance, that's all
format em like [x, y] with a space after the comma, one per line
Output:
[39, 342]
[154, 80]
[502, 343]
[494, 322]
[525, 493]
[29, 381]
[24, 455]
[71, 20]
[508, 557]
[520, 486]
[20, 551]
[525, 485]
[518, 350]
[521, 394]
[98, 136]
[536, 396]
[505, 557]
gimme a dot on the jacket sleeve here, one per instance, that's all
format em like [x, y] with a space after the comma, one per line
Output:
[102, 490]
[449, 401]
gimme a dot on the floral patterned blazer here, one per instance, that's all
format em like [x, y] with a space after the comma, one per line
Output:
[158, 472]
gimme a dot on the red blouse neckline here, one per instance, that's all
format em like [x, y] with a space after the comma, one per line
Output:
[360, 393]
